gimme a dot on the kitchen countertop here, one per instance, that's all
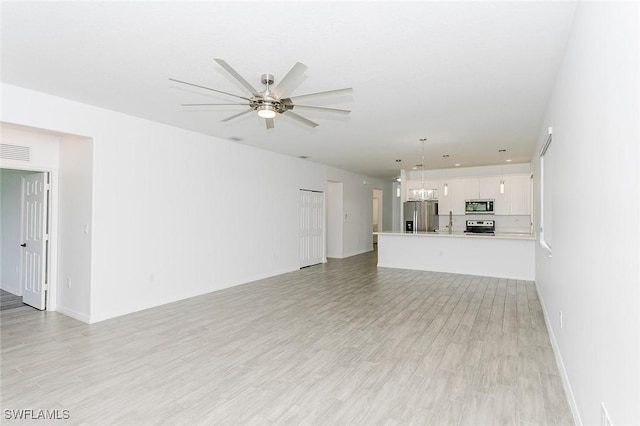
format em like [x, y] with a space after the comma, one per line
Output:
[458, 234]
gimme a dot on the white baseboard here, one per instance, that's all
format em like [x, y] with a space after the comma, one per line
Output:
[125, 310]
[560, 363]
[11, 289]
[73, 314]
[355, 253]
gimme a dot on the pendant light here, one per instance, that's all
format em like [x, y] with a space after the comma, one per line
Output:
[502, 151]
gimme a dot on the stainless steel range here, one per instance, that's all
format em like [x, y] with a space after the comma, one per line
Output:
[484, 227]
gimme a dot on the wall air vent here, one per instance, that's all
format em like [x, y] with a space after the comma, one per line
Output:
[15, 152]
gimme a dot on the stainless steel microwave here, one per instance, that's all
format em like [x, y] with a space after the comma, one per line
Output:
[478, 206]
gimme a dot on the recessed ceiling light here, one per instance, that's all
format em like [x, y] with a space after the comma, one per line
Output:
[509, 160]
[457, 164]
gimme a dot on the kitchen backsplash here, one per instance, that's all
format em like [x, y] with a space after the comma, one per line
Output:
[508, 223]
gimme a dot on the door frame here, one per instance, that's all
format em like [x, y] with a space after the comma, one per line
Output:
[52, 261]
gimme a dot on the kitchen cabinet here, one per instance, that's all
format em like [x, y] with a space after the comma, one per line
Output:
[471, 188]
[520, 194]
[489, 187]
[454, 200]
[516, 199]
[502, 204]
[481, 188]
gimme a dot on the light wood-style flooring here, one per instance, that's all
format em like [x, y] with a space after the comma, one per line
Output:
[336, 344]
[10, 301]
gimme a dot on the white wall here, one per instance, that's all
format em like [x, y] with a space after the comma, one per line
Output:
[75, 226]
[396, 206]
[357, 208]
[173, 218]
[593, 275]
[334, 197]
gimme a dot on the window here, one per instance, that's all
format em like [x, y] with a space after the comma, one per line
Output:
[546, 202]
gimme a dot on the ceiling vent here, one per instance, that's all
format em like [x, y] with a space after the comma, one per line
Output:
[15, 152]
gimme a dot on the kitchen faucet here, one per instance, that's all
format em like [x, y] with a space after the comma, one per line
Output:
[450, 225]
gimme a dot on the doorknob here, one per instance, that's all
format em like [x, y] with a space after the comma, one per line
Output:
[23, 245]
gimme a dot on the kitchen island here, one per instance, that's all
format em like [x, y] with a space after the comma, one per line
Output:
[503, 255]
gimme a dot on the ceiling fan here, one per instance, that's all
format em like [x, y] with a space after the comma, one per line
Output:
[271, 101]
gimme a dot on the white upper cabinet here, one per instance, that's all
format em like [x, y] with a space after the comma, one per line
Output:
[489, 187]
[520, 191]
[514, 200]
[481, 188]
[453, 201]
[502, 204]
[471, 188]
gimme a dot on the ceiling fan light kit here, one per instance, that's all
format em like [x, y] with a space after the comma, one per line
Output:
[269, 103]
[266, 111]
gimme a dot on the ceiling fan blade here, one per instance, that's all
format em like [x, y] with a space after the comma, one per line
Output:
[197, 105]
[208, 88]
[334, 92]
[269, 122]
[236, 115]
[319, 108]
[291, 80]
[299, 118]
[237, 76]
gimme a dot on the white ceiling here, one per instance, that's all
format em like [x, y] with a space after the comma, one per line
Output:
[471, 77]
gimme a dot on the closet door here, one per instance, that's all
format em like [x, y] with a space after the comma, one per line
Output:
[311, 227]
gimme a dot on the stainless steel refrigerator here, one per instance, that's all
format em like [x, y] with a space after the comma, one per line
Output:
[421, 216]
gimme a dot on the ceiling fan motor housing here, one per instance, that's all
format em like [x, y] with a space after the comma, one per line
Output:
[268, 101]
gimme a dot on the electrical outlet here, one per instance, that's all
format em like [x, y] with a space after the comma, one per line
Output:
[605, 420]
[68, 282]
[560, 319]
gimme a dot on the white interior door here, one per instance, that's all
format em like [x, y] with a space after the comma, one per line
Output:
[311, 228]
[34, 239]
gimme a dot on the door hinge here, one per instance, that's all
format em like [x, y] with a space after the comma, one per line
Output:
[46, 286]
